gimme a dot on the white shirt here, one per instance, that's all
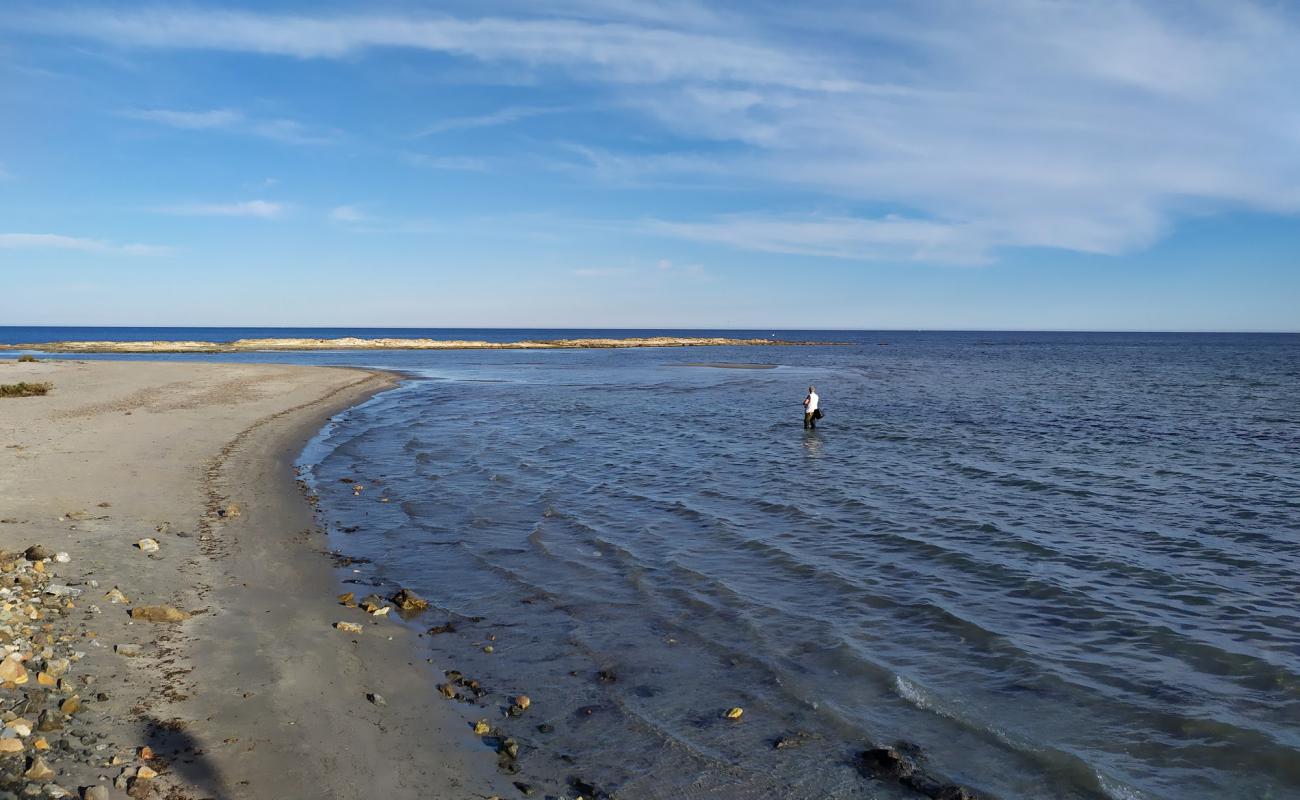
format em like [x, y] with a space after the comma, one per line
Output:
[812, 403]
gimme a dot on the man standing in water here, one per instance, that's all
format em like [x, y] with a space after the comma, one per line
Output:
[810, 409]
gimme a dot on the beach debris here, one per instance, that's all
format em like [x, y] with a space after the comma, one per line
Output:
[348, 627]
[115, 595]
[482, 728]
[229, 511]
[159, 614]
[407, 600]
[36, 553]
[147, 545]
[735, 712]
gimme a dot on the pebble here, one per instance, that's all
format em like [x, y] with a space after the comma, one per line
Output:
[147, 545]
[376, 698]
[348, 627]
[95, 793]
[735, 712]
[38, 770]
[115, 595]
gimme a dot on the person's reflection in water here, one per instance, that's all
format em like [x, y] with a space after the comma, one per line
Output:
[812, 443]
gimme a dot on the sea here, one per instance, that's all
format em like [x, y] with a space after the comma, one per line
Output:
[1047, 565]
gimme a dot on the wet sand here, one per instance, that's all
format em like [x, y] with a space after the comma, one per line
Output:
[256, 694]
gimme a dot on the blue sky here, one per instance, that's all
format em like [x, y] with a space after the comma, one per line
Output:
[1011, 164]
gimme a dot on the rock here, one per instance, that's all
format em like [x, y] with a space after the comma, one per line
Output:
[545, 728]
[526, 789]
[71, 705]
[523, 701]
[146, 773]
[348, 627]
[57, 667]
[606, 676]
[437, 629]
[38, 770]
[12, 671]
[509, 748]
[734, 713]
[10, 746]
[346, 598]
[371, 603]
[47, 722]
[954, 792]
[788, 742]
[482, 728]
[62, 557]
[229, 511]
[147, 545]
[95, 793]
[36, 553]
[146, 753]
[159, 614]
[885, 762]
[447, 690]
[115, 595]
[408, 600]
[127, 650]
[20, 726]
[45, 679]
[489, 649]
[376, 698]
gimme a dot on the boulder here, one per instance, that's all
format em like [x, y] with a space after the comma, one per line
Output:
[407, 600]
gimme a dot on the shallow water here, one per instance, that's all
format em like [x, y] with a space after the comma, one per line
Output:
[1064, 565]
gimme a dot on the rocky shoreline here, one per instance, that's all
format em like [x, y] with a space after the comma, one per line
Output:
[354, 343]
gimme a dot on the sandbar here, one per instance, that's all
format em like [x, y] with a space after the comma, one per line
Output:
[356, 343]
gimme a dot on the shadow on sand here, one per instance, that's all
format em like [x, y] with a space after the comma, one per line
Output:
[185, 755]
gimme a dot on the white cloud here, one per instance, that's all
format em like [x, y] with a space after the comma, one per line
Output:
[55, 241]
[261, 209]
[188, 120]
[601, 272]
[348, 214]
[225, 119]
[982, 125]
[503, 116]
[454, 163]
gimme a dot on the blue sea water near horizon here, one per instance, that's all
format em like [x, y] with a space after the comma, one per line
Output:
[1063, 565]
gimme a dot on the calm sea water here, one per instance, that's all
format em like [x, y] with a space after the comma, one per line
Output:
[1064, 565]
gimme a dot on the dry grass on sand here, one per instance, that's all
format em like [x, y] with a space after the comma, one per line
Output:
[24, 389]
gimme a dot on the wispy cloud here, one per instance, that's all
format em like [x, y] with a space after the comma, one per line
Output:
[188, 120]
[503, 116]
[601, 272]
[234, 121]
[348, 214]
[984, 125]
[55, 241]
[261, 209]
[454, 163]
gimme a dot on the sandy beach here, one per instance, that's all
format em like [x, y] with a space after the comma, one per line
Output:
[255, 694]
